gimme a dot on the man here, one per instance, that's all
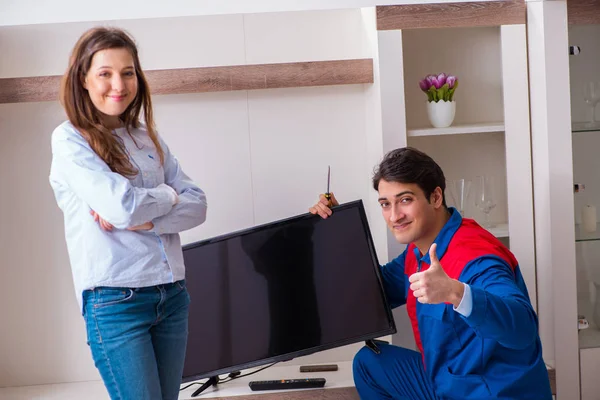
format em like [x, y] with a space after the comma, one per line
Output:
[473, 323]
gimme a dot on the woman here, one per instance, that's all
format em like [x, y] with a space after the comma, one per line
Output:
[125, 199]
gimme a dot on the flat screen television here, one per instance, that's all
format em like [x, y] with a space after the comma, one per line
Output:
[283, 290]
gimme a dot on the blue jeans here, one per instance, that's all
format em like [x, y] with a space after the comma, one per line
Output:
[396, 373]
[138, 339]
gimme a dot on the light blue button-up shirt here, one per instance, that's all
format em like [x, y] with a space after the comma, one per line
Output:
[82, 182]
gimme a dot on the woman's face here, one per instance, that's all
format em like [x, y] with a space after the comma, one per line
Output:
[112, 84]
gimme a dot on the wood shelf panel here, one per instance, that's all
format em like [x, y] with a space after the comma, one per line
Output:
[451, 15]
[583, 12]
[212, 79]
[37, 88]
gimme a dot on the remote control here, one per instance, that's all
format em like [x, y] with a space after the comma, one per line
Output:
[284, 384]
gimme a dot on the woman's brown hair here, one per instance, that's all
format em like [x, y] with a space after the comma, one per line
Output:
[83, 114]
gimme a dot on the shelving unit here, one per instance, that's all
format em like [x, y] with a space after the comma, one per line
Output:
[485, 45]
[471, 137]
[477, 142]
[584, 28]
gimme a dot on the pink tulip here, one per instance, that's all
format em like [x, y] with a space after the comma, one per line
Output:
[435, 82]
[442, 79]
[423, 85]
[451, 81]
[429, 79]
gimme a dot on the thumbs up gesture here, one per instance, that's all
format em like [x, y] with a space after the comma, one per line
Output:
[434, 286]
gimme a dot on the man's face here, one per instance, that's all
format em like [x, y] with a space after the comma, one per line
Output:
[407, 212]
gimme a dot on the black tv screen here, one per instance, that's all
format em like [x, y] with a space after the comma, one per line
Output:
[283, 290]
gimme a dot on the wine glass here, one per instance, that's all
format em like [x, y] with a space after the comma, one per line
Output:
[591, 95]
[484, 197]
[459, 191]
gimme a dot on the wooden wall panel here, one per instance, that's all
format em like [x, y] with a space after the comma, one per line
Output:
[37, 88]
[451, 15]
[583, 12]
[212, 79]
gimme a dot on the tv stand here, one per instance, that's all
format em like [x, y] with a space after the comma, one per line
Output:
[372, 344]
[212, 381]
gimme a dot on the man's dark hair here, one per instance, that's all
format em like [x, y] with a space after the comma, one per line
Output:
[409, 165]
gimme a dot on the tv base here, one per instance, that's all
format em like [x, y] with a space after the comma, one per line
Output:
[212, 381]
[373, 345]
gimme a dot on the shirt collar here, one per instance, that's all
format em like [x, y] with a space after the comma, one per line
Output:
[443, 238]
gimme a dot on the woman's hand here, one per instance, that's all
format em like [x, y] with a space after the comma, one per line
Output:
[106, 226]
[143, 227]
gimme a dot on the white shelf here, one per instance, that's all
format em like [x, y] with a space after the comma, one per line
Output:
[500, 230]
[580, 127]
[458, 129]
[94, 390]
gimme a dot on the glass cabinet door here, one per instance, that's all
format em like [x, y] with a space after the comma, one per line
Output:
[584, 66]
[584, 63]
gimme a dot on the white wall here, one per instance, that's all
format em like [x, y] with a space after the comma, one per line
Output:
[22, 12]
[259, 155]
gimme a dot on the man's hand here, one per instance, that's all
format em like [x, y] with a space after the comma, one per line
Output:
[103, 224]
[322, 206]
[434, 286]
[143, 227]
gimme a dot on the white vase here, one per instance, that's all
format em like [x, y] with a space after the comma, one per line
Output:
[441, 114]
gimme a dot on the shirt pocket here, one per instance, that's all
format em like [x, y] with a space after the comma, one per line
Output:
[151, 170]
[437, 329]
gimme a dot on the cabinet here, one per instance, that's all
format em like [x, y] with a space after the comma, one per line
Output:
[583, 68]
[485, 46]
